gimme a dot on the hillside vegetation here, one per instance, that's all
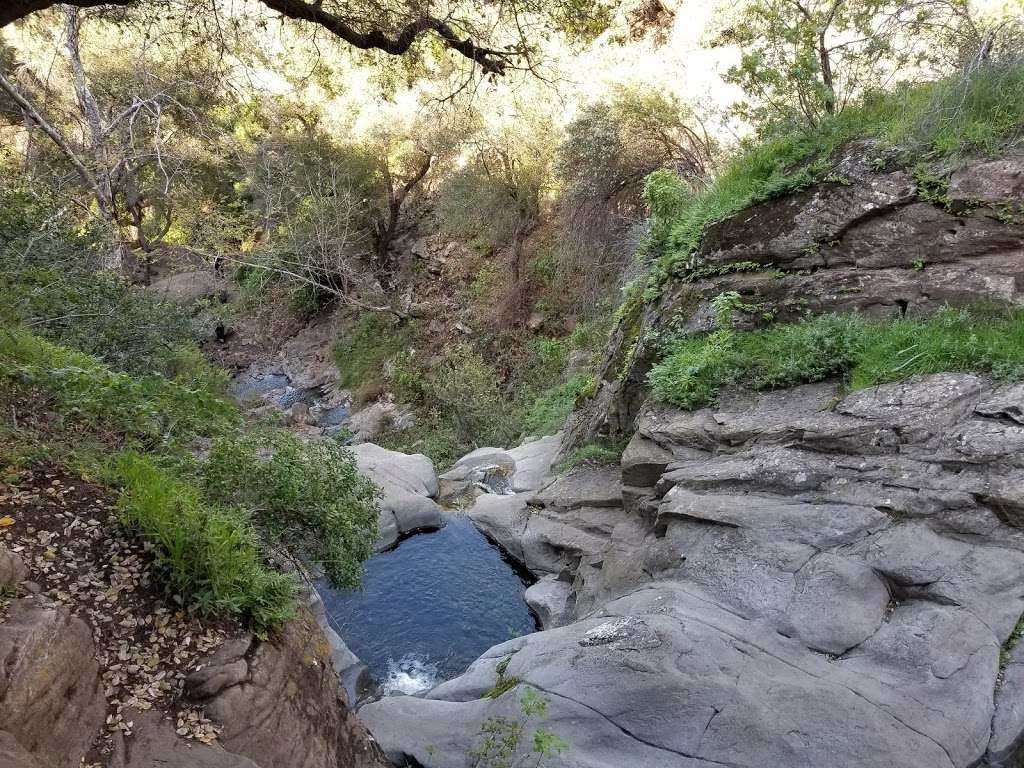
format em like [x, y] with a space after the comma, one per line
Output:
[471, 217]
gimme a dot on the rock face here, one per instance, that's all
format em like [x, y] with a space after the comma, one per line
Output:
[280, 703]
[410, 486]
[865, 241]
[188, 287]
[803, 579]
[50, 688]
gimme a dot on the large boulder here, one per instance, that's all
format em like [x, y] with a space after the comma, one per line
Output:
[409, 483]
[550, 600]
[188, 287]
[50, 688]
[280, 704]
[533, 463]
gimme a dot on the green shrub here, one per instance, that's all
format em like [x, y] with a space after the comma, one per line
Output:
[207, 555]
[990, 341]
[469, 394]
[307, 495]
[150, 409]
[362, 354]
[596, 453]
[868, 352]
[548, 412]
[209, 518]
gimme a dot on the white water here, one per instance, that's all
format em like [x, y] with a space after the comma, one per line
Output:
[409, 675]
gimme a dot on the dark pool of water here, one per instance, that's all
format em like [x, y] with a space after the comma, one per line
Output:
[430, 607]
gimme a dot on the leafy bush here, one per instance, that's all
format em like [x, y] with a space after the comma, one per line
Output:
[308, 495]
[209, 519]
[149, 409]
[362, 355]
[987, 340]
[609, 148]
[597, 452]
[207, 555]
[49, 281]
[548, 412]
[868, 352]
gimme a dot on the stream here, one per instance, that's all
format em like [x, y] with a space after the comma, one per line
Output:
[430, 607]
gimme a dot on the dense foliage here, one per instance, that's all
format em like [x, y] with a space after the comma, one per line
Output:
[214, 520]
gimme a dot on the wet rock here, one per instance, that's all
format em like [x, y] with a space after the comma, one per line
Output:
[50, 685]
[251, 386]
[354, 674]
[486, 469]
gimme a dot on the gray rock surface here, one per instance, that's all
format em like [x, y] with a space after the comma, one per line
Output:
[50, 688]
[409, 483]
[549, 599]
[816, 579]
[280, 702]
[154, 743]
[1006, 749]
[533, 462]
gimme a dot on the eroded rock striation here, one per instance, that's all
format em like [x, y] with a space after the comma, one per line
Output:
[876, 238]
[806, 579]
[796, 578]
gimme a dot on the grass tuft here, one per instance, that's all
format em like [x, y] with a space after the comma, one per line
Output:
[980, 112]
[207, 555]
[867, 352]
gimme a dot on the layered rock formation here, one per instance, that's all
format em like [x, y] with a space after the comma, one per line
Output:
[797, 578]
[807, 579]
[876, 238]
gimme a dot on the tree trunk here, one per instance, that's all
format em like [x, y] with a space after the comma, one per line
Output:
[103, 189]
[387, 227]
[826, 75]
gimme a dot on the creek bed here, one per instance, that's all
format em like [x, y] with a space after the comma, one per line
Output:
[430, 607]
